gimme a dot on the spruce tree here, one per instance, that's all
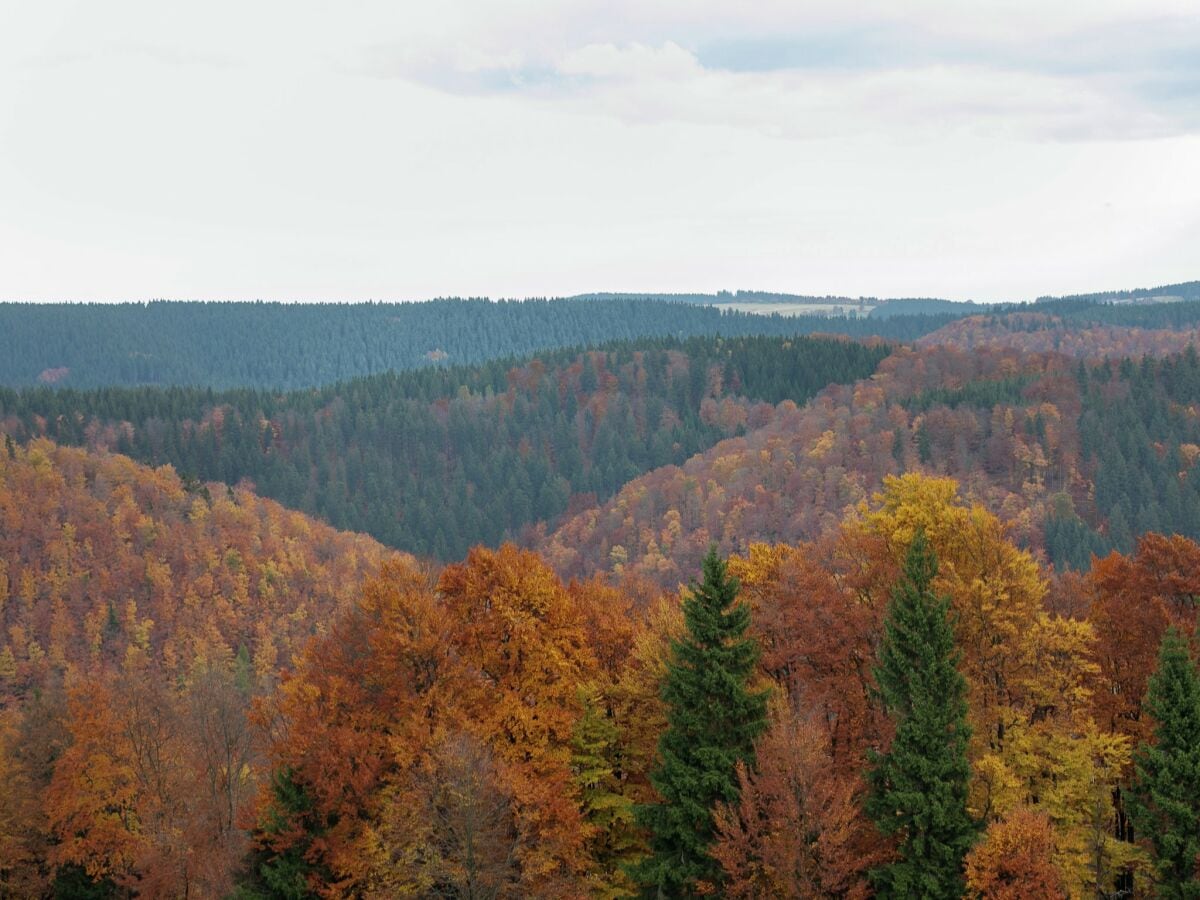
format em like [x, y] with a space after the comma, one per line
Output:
[919, 787]
[713, 719]
[1165, 802]
[286, 874]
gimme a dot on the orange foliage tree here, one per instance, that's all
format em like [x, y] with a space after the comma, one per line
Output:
[1015, 860]
[520, 636]
[797, 829]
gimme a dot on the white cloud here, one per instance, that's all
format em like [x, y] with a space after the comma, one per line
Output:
[640, 84]
[306, 149]
[635, 62]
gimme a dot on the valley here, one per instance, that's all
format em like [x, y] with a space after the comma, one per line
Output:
[168, 632]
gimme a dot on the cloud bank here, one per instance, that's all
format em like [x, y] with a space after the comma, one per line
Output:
[313, 150]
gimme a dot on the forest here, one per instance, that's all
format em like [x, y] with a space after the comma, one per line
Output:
[738, 616]
[640, 447]
[437, 460]
[282, 346]
[206, 695]
[1077, 458]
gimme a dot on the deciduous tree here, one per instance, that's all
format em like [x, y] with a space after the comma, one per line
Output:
[1015, 860]
[797, 828]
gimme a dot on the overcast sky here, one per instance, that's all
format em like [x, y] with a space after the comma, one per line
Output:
[401, 150]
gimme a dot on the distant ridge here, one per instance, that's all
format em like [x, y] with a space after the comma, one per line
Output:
[303, 345]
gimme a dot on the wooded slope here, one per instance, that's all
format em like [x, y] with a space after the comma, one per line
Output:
[436, 461]
[139, 616]
[293, 345]
[1079, 458]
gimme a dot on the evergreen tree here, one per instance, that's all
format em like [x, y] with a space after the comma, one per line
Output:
[924, 444]
[282, 875]
[1165, 804]
[713, 718]
[919, 787]
[614, 843]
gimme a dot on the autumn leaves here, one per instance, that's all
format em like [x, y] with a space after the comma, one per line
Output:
[431, 733]
[492, 730]
[486, 730]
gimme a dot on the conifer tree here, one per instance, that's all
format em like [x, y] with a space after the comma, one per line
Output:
[282, 875]
[919, 787]
[1165, 805]
[713, 719]
[614, 842]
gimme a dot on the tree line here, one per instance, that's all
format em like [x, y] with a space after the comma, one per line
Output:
[437, 460]
[910, 705]
[283, 346]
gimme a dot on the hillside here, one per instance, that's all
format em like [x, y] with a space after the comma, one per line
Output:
[443, 729]
[299, 345]
[1137, 331]
[1030, 435]
[142, 615]
[99, 554]
[205, 694]
[438, 460]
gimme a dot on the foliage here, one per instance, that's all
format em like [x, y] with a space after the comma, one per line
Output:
[1014, 860]
[1166, 789]
[438, 460]
[796, 829]
[614, 843]
[198, 686]
[919, 785]
[713, 717]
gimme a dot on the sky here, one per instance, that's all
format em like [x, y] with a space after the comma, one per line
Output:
[356, 150]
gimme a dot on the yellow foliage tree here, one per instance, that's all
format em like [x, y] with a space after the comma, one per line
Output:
[1034, 741]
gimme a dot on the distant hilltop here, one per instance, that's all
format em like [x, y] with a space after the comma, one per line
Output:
[810, 304]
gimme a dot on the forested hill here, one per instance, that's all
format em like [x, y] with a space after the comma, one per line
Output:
[139, 617]
[1079, 458]
[287, 346]
[1167, 293]
[437, 460]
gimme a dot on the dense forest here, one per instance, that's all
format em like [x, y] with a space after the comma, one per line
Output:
[437, 460]
[284, 346]
[484, 728]
[741, 616]
[197, 599]
[1078, 458]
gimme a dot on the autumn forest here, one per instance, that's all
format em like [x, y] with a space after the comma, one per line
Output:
[669, 602]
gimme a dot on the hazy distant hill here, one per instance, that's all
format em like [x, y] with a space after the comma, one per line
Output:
[833, 305]
[285, 346]
[929, 307]
[1188, 290]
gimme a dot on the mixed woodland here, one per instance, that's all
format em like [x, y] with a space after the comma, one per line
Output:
[796, 618]
[438, 460]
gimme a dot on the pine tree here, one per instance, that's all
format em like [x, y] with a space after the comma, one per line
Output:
[713, 718]
[919, 787]
[1165, 805]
